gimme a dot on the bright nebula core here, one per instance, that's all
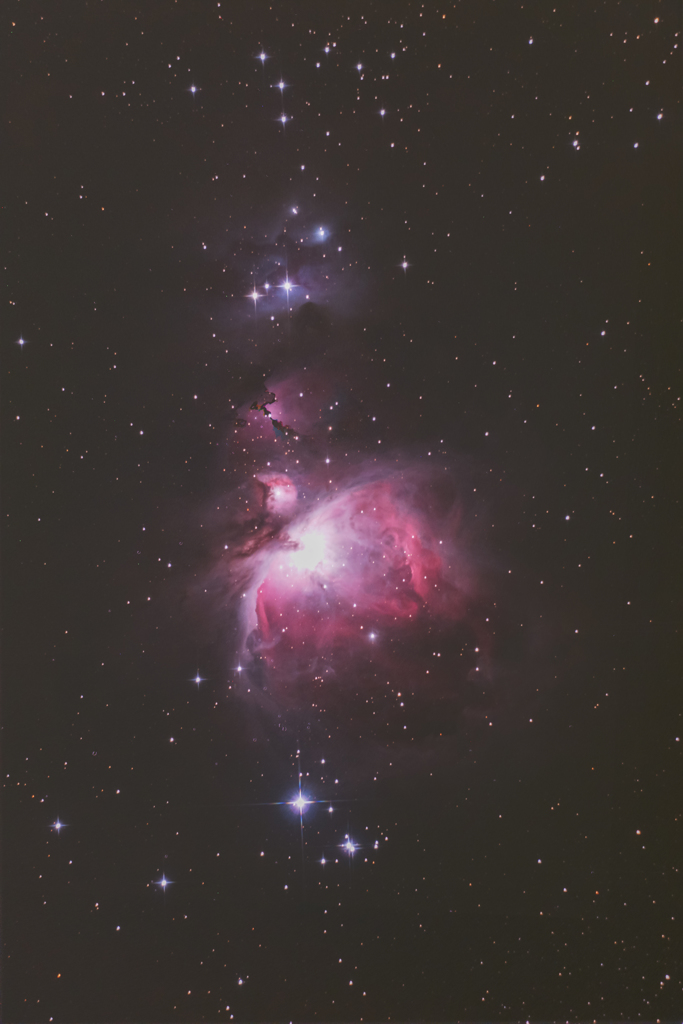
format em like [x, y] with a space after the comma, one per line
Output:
[354, 562]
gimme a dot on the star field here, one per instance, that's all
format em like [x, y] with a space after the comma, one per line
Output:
[342, 391]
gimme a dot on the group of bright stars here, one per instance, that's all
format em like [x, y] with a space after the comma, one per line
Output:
[299, 804]
[283, 118]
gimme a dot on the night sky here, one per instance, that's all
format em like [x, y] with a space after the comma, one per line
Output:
[341, 504]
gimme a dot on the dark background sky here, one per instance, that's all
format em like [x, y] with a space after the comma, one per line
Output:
[530, 871]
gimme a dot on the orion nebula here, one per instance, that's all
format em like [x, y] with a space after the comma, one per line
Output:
[351, 580]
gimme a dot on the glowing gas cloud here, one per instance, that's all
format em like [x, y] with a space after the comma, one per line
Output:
[343, 570]
[356, 561]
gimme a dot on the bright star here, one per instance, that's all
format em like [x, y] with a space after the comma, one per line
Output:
[21, 342]
[382, 112]
[262, 57]
[349, 845]
[300, 803]
[163, 882]
[254, 295]
[198, 679]
[284, 119]
[287, 286]
[281, 85]
[359, 67]
[238, 669]
[57, 825]
[405, 265]
[193, 88]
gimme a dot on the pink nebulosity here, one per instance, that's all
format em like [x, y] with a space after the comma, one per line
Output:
[352, 575]
[358, 562]
[281, 493]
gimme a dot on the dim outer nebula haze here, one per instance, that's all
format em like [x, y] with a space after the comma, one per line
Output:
[341, 417]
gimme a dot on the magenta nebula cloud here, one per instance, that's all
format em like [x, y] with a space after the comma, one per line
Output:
[348, 574]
